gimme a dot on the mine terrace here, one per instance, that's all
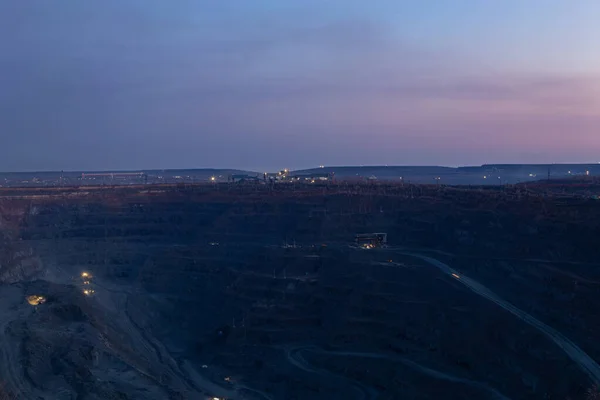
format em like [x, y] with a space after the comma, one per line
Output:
[266, 292]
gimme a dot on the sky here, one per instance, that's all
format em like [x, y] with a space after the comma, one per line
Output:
[271, 84]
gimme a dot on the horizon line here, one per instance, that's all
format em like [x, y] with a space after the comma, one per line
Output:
[300, 169]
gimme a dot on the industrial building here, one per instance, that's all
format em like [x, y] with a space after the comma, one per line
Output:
[242, 178]
[312, 178]
[112, 177]
[371, 240]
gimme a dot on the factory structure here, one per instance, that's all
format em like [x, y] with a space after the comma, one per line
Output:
[282, 176]
[114, 177]
[313, 178]
[371, 240]
[243, 178]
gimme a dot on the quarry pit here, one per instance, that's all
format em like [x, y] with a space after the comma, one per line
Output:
[244, 292]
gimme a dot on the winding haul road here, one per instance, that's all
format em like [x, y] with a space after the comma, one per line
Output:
[295, 357]
[577, 355]
[585, 362]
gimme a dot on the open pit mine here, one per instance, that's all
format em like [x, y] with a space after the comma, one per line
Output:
[332, 291]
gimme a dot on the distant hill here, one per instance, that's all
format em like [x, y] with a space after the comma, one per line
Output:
[487, 174]
[469, 175]
[199, 173]
[207, 172]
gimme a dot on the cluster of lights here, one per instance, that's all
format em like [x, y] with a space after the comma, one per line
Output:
[86, 276]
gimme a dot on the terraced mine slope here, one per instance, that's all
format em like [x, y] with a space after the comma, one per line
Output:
[245, 292]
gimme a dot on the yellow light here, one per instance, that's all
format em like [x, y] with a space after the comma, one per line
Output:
[36, 300]
[212, 178]
[456, 276]
[85, 275]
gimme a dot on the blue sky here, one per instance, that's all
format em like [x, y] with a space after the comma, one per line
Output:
[272, 84]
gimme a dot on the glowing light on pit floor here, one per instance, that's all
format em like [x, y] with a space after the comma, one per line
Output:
[36, 300]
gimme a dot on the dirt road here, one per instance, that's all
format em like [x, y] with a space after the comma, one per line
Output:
[295, 357]
[585, 362]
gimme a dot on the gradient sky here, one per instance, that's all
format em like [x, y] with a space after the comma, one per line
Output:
[128, 84]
